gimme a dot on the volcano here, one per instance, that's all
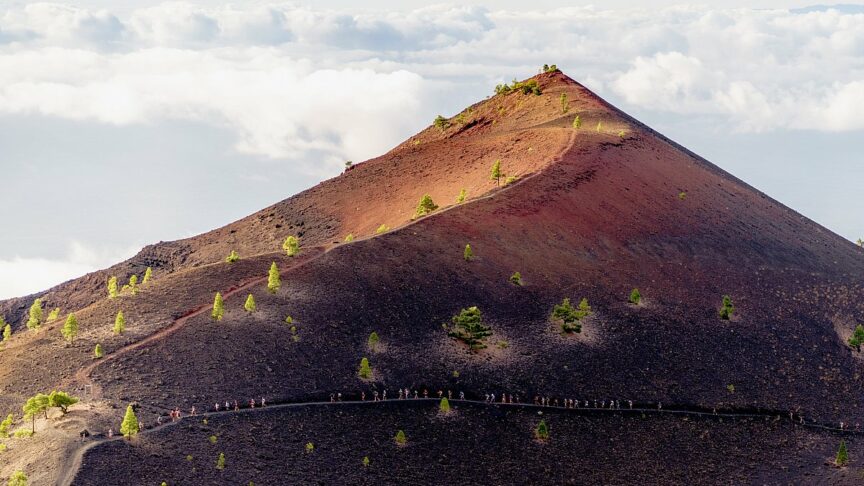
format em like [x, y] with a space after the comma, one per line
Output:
[590, 205]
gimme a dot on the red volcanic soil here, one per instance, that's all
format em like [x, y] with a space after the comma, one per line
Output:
[594, 213]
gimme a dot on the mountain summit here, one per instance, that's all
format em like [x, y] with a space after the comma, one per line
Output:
[540, 193]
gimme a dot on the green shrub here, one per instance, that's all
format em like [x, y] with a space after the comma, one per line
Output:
[468, 254]
[232, 257]
[5, 425]
[425, 206]
[274, 281]
[516, 279]
[461, 197]
[18, 478]
[727, 309]
[468, 327]
[291, 245]
[23, 433]
[577, 122]
[97, 351]
[503, 344]
[542, 431]
[365, 371]
[349, 238]
[565, 104]
[502, 88]
[213, 439]
[218, 308]
[53, 315]
[444, 406]
[373, 341]
[365, 461]
[842, 458]
[70, 328]
[310, 447]
[635, 297]
[550, 68]
[441, 123]
[730, 388]
[250, 304]
[682, 195]
[400, 438]
[510, 180]
[148, 274]
[112, 288]
[220, 461]
[35, 315]
[129, 426]
[7, 332]
[857, 338]
[382, 229]
[119, 323]
[495, 173]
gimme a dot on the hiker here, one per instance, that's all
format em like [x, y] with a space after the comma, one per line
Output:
[110, 433]
[659, 406]
[492, 398]
[440, 394]
[251, 403]
[362, 396]
[630, 402]
[227, 405]
[461, 395]
[332, 398]
[415, 394]
[375, 396]
[503, 398]
[536, 400]
[400, 394]
[384, 395]
[450, 394]
[217, 406]
[425, 393]
[193, 411]
[338, 398]
[158, 420]
[236, 406]
[140, 425]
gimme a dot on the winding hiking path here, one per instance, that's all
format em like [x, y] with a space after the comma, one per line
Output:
[70, 470]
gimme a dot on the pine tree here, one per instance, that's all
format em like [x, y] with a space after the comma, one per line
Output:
[382, 229]
[291, 245]
[5, 424]
[218, 308]
[310, 447]
[7, 332]
[425, 206]
[119, 323]
[70, 329]
[34, 406]
[53, 315]
[232, 257]
[461, 197]
[129, 427]
[35, 318]
[349, 238]
[842, 455]
[274, 281]
[365, 371]
[444, 406]
[373, 341]
[97, 351]
[857, 338]
[112, 288]
[148, 274]
[133, 284]
[635, 297]
[365, 461]
[18, 478]
[516, 279]
[62, 400]
[468, 254]
[565, 105]
[496, 172]
[400, 438]
[250, 304]
[220, 461]
[577, 122]
[468, 327]
[727, 309]
[569, 316]
[542, 431]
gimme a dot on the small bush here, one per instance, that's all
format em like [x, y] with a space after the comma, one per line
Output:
[5, 425]
[577, 122]
[189, 458]
[550, 68]
[18, 478]
[682, 195]
[730, 388]
[220, 461]
[857, 338]
[53, 315]
[291, 245]
[727, 309]
[349, 238]
[232, 257]
[373, 341]
[365, 461]
[2, 448]
[542, 431]
[119, 323]
[569, 317]
[455, 374]
[425, 206]
[97, 351]
[621, 134]
[468, 254]
[516, 279]
[469, 328]
[400, 438]
[599, 126]
[250, 304]
[495, 173]
[365, 371]
[441, 123]
[112, 288]
[510, 180]
[461, 197]
[382, 229]
[502, 89]
[310, 447]
[213, 439]
[635, 297]
[218, 308]
[444, 406]
[23, 433]
[842, 458]
[274, 280]
[502, 344]
[290, 320]
[565, 104]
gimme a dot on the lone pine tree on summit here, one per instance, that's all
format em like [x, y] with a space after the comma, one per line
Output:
[273, 280]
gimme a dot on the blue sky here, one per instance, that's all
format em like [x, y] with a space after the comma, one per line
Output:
[126, 122]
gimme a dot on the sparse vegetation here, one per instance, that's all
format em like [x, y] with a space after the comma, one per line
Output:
[635, 297]
[112, 288]
[730, 388]
[682, 195]
[496, 172]
[565, 104]
[129, 427]
[860, 242]
[727, 309]
[365, 371]
[842, 458]
[291, 245]
[132, 287]
[621, 134]
[41, 403]
[373, 341]
[444, 406]
[425, 206]
[550, 68]
[274, 281]
[7, 332]
[599, 126]
[468, 254]
[70, 328]
[97, 351]
[289, 320]
[5, 424]
[119, 323]
[441, 123]
[250, 304]
[348, 164]
[53, 315]
[18, 478]
[857, 338]
[502, 88]
[148, 274]
[542, 431]
[400, 438]
[510, 180]
[461, 197]
[220, 461]
[213, 439]
[570, 317]
[468, 327]
[516, 279]
[34, 319]
[577, 122]
[218, 307]
[349, 238]
[232, 257]
[503, 344]
[310, 447]
[382, 229]
[365, 461]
